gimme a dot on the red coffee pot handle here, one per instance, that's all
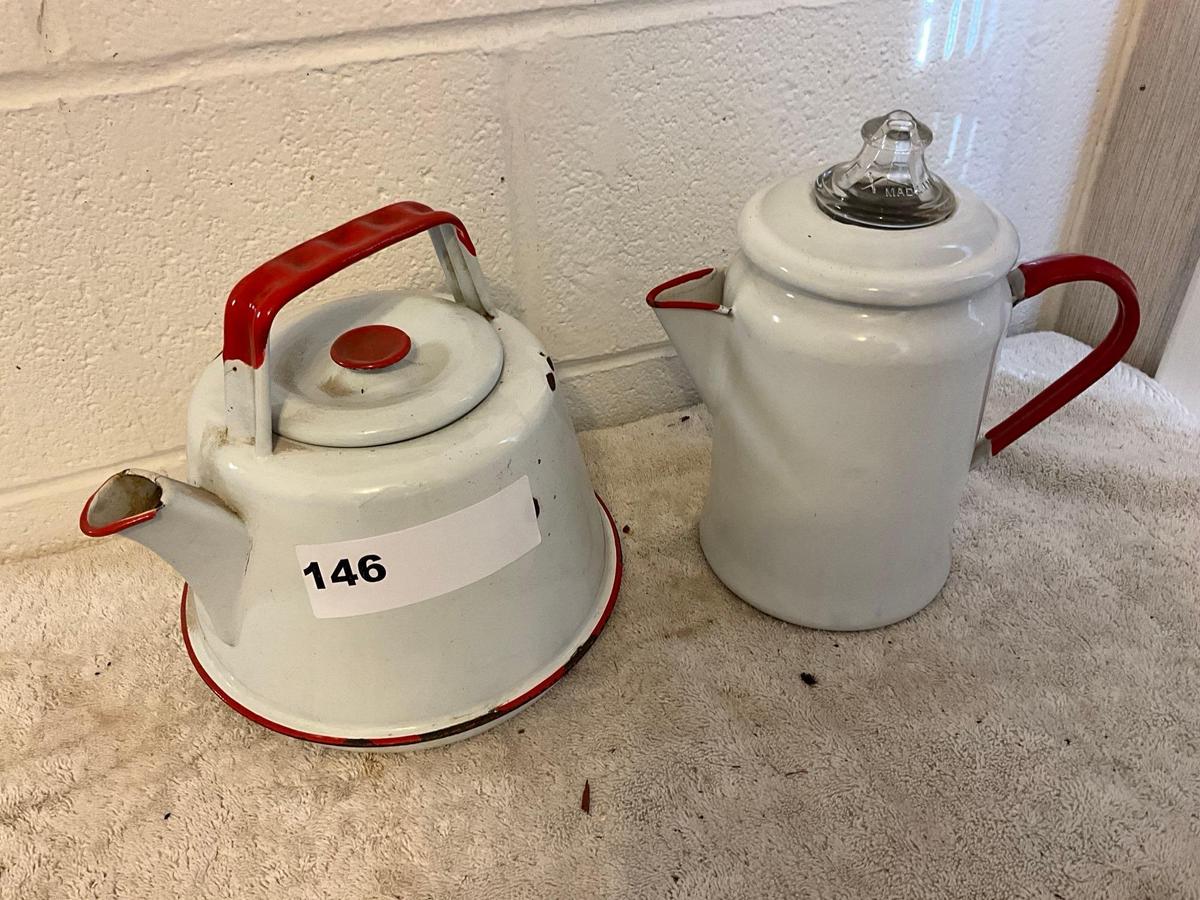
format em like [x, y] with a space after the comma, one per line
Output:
[256, 300]
[1030, 279]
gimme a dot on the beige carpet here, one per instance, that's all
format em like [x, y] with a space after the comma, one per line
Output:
[1033, 733]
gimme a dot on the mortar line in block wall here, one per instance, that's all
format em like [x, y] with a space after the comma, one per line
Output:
[86, 480]
[599, 391]
[66, 81]
[582, 366]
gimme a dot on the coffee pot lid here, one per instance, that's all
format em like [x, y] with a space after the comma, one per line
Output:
[879, 229]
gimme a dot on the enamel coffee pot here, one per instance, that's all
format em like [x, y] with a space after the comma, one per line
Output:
[845, 355]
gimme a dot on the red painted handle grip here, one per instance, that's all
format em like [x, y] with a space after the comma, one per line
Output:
[257, 299]
[1048, 272]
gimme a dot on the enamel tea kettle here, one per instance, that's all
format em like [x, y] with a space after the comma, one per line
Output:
[388, 535]
[845, 356]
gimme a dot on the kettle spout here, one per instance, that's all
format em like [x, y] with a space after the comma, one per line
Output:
[692, 313]
[189, 528]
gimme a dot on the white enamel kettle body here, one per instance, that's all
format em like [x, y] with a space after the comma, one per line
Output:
[389, 535]
[846, 369]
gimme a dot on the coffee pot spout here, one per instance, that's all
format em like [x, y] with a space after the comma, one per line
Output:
[691, 310]
[189, 528]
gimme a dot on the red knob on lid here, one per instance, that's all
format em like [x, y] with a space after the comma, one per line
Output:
[370, 347]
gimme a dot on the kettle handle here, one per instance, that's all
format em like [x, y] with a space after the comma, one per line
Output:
[1031, 278]
[257, 299]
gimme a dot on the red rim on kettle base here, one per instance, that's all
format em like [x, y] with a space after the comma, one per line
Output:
[494, 715]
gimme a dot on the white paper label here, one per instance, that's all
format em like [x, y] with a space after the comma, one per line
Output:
[368, 575]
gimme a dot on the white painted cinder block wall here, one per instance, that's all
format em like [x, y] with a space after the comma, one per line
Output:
[154, 151]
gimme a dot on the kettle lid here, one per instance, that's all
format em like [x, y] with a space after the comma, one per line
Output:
[879, 229]
[379, 368]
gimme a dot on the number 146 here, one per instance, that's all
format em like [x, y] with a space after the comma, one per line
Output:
[370, 570]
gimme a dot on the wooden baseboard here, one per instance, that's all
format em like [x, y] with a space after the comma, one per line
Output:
[1143, 205]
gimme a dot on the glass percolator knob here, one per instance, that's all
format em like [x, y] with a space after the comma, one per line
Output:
[888, 184]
